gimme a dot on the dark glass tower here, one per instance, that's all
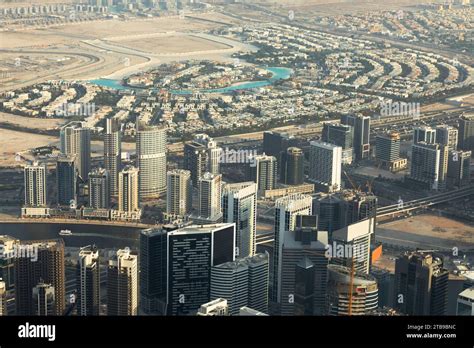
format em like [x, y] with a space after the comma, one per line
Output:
[292, 166]
[195, 160]
[192, 251]
[361, 125]
[66, 179]
[153, 258]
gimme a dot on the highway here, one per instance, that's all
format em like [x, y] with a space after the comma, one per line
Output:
[423, 203]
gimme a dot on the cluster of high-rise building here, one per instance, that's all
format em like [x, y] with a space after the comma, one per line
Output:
[440, 157]
[197, 270]
[112, 191]
[184, 268]
[205, 259]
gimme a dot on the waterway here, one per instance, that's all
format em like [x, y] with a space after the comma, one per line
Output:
[104, 236]
[278, 73]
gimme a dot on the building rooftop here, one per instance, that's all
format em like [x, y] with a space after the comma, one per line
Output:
[343, 275]
[468, 294]
[201, 228]
[289, 201]
[246, 311]
[245, 262]
[323, 145]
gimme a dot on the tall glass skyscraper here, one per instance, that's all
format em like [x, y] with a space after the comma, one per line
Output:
[239, 205]
[286, 210]
[112, 152]
[151, 160]
[66, 180]
[153, 270]
[35, 185]
[192, 251]
[88, 281]
[76, 140]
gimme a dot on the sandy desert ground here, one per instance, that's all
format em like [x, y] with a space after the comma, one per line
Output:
[427, 231]
[172, 44]
[13, 142]
[72, 34]
[93, 49]
[30, 122]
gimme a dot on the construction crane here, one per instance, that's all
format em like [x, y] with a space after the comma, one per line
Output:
[351, 285]
[357, 188]
[370, 183]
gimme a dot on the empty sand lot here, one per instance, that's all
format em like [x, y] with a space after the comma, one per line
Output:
[99, 48]
[13, 142]
[427, 231]
[72, 34]
[31, 122]
[159, 44]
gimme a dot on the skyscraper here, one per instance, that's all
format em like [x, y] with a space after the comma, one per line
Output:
[151, 159]
[210, 199]
[447, 135]
[128, 189]
[325, 165]
[384, 278]
[355, 239]
[213, 152]
[243, 282]
[286, 210]
[179, 193]
[35, 185]
[88, 281]
[112, 152]
[292, 166]
[66, 180]
[263, 171]
[99, 189]
[361, 141]
[343, 208]
[338, 134]
[421, 284]
[358, 206]
[48, 266]
[424, 135]
[122, 284]
[43, 299]
[192, 251]
[466, 132]
[195, 160]
[459, 163]
[153, 270]
[329, 211]
[239, 205]
[342, 285]
[387, 150]
[274, 143]
[429, 165]
[303, 269]
[76, 141]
